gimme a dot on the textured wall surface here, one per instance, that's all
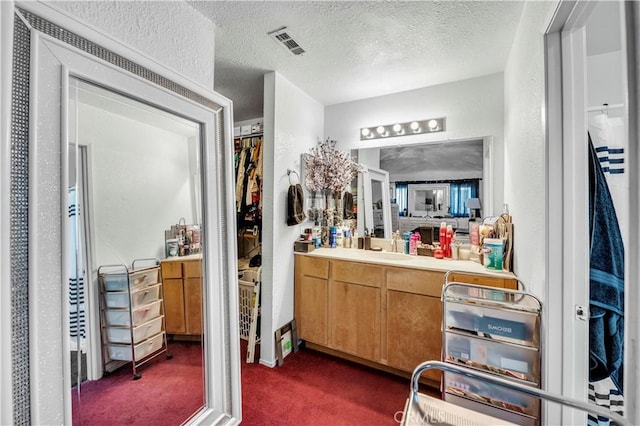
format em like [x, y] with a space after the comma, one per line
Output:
[169, 32]
[473, 109]
[525, 152]
[293, 124]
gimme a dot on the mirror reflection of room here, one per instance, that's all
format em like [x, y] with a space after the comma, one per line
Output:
[135, 284]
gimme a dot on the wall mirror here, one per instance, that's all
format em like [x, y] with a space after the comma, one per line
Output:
[118, 154]
[428, 200]
[426, 173]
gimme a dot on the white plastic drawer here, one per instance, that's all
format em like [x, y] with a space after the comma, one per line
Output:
[140, 314]
[500, 324]
[141, 332]
[509, 360]
[144, 277]
[498, 396]
[139, 297]
[136, 279]
[140, 350]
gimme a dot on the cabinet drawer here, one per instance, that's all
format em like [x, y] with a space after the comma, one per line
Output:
[427, 283]
[139, 297]
[500, 324]
[141, 350]
[140, 315]
[313, 266]
[521, 362]
[171, 269]
[477, 390]
[357, 273]
[192, 269]
[140, 333]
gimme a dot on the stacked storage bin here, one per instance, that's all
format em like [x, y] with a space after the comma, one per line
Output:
[495, 331]
[131, 314]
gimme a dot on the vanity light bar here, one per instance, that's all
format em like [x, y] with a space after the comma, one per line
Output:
[430, 125]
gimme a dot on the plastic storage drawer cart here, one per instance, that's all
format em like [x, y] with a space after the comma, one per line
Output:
[131, 315]
[495, 331]
[249, 299]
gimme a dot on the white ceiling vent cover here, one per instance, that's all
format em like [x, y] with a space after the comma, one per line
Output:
[285, 39]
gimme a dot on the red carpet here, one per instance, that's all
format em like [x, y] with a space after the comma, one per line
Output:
[315, 389]
[309, 389]
[168, 393]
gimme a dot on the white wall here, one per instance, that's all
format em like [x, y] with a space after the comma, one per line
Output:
[140, 184]
[526, 178]
[473, 108]
[293, 123]
[170, 32]
[525, 146]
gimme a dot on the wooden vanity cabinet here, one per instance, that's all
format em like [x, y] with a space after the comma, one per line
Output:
[414, 318]
[312, 299]
[383, 316]
[183, 296]
[355, 308]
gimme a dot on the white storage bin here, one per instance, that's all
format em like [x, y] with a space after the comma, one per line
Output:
[477, 390]
[140, 333]
[501, 324]
[513, 361]
[141, 350]
[115, 282]
[144, 277]
[139, 297]
[140, 314]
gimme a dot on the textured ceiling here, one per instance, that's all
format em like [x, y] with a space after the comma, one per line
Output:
[356, 49]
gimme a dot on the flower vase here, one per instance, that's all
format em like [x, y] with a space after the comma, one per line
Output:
[339, 214]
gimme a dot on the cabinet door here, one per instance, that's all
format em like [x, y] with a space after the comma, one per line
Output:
[355, 319]
[174, 306]
[311, 308]
[193, 305]
[414, 322]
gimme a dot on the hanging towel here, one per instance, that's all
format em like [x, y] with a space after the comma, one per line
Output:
[606, 280]
[295, 205]
[347, 203]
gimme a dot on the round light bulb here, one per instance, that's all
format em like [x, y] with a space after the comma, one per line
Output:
[365, 132]
[397, 128]
[433, 124]
[380, 130]
[414, 125]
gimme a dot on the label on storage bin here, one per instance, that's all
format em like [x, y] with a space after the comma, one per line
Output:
[503, 327]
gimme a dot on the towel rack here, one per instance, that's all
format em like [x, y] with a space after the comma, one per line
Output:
[290, 172]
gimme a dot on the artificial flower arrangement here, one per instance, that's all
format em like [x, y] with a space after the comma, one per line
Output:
[328, 171]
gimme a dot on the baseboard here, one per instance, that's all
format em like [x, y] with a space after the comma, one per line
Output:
[269, 364]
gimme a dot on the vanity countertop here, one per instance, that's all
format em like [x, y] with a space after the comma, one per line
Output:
[197, 256]
[402, 260]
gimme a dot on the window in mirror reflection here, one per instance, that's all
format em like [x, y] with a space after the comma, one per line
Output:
[135, 307]
[436, 199]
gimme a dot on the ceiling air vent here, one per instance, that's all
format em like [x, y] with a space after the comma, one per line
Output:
[285, 39]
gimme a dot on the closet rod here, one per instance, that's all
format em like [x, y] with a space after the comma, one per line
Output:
[605, 107]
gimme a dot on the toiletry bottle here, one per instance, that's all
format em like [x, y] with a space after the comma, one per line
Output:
[332, 237]
[412, 245]
[447, 245]
[442, 234]
[407, 243]
[339, 237]
[454, 248]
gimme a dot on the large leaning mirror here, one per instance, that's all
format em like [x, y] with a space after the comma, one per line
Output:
[135, 291]
[130, 261]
